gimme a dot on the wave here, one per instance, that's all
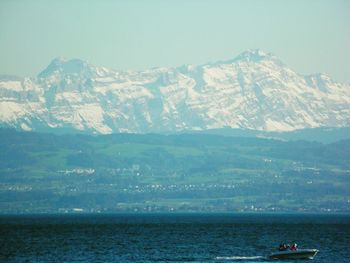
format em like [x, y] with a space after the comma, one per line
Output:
[239, 258]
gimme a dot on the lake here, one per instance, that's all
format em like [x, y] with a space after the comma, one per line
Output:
[169, 237]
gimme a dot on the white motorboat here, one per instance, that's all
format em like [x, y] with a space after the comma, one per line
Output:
[295, 254]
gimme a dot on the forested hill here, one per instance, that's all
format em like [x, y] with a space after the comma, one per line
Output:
[188, 172]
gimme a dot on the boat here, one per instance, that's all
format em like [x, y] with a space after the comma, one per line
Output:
[295, 254]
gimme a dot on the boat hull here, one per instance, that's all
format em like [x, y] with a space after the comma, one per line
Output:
[296, 254]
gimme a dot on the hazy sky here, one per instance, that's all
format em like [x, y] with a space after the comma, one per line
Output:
[309, 36]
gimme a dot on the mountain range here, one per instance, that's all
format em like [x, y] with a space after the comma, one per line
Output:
[254, 91]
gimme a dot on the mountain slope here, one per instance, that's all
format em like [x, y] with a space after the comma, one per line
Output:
[48, 173]
[253, 91]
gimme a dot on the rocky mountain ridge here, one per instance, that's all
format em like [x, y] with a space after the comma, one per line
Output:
[253, 91]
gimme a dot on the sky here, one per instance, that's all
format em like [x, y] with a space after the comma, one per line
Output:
[309, 36]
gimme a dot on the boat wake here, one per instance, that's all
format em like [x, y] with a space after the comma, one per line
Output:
[240, 258]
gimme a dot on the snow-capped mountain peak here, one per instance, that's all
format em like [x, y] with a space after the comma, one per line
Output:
[255, 90]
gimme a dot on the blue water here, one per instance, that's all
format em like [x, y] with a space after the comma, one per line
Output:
[169, 237]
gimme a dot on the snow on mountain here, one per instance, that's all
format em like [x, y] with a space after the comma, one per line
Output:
[255, 91]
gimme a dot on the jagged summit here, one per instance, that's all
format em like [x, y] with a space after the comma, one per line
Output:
[64, 66]
[252, 91]
[253, 55]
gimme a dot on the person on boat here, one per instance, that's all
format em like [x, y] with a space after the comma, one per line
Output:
[294, 247]
[283, 247]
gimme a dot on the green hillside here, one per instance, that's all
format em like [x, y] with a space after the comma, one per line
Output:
[188, 172]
